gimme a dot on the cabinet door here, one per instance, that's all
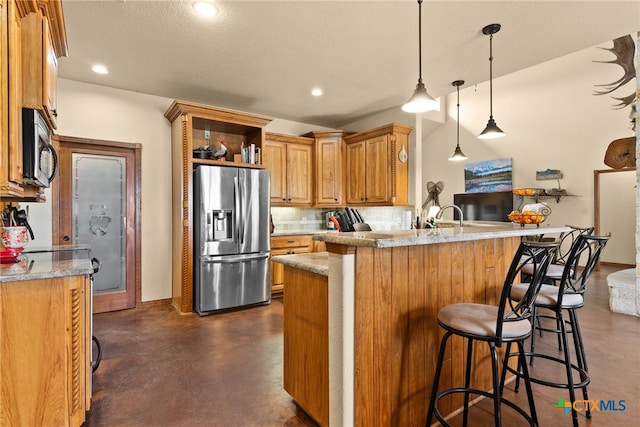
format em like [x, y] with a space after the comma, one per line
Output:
[277, 272]
[39, 66]
[355, 173]
[45, 327]
[49, 76]
[10, 109]
[275, 161]
[299, 173]
[328, 172]
[376, 173]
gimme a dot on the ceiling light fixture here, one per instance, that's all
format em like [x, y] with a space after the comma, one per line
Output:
[316, 92]
[420, 101]
[100, 69]
[492, 130]
[205, 9]
[458, 155]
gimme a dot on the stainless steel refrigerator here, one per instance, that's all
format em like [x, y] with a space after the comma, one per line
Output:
[231, 238]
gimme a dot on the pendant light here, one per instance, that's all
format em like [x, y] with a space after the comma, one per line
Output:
[492, 130]
[458, 155]
[420, 101]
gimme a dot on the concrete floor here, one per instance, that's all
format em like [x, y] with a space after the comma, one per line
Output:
[160, 368]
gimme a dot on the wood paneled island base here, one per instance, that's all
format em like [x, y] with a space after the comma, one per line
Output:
[381, 333]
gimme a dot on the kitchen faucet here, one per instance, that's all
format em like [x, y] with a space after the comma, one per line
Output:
[439, 214]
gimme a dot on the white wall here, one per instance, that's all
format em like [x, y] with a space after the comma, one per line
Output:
[552, 120]
[91, 111]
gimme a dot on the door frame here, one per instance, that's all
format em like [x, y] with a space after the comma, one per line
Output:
[137, 183]
[596, 201]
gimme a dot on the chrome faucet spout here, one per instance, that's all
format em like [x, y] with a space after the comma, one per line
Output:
[439, 214]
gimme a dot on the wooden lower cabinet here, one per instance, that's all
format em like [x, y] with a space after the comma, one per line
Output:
[45, 363]
[306, 342]
[285, 245]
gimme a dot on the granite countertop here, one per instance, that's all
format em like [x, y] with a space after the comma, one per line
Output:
[45, 263]
[278, 232]
[445, 233]
[315, 262]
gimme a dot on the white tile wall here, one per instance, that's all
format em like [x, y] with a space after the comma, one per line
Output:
[313, 219]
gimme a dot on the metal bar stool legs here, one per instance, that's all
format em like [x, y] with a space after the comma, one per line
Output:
[507, 322]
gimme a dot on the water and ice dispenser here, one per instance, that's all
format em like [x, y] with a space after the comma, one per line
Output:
[219, 225]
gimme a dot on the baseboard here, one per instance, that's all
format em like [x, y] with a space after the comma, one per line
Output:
[156, 302]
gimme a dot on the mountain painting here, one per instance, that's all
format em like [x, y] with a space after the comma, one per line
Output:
[488, 177]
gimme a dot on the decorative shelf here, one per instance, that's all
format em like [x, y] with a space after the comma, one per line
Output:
[540, 194]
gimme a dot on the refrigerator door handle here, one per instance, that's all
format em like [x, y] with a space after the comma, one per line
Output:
[232, 259]
[239, 213]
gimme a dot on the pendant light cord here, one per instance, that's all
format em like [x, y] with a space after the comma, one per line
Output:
[491, 75]
[458, 119]
[420, 40]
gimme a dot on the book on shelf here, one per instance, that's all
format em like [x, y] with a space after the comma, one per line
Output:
[251, 154]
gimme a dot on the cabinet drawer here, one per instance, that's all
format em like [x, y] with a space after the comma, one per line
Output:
[282, 242]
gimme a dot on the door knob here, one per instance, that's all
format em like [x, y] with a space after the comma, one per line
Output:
[66, 238]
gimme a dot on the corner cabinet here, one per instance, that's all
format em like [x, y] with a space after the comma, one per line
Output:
[290, 161]
[194, 126]
[376, 166]
[329, 167]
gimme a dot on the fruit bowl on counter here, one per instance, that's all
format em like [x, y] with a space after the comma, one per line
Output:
[530, 214]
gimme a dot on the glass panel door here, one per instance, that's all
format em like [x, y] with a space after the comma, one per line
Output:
[99, 209]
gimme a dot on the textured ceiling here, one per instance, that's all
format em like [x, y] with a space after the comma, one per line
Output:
[265, 57]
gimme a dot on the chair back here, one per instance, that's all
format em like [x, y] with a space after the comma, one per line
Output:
[581, 262]
[567, 240]
[536, 257]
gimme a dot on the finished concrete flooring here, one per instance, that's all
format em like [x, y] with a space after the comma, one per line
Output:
[160, 368]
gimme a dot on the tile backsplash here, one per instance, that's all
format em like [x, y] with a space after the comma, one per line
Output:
[313, 219]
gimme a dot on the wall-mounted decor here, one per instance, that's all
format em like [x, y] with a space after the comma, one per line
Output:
[488, 176]
[548, 174]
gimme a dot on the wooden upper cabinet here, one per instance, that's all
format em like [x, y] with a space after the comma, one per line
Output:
[375, 173]
[329, 167]
[355, 173]
[290, 161]
[39, 66]
[275, 161]
[33, 38]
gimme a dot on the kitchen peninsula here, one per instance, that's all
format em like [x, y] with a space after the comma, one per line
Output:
[360, 321]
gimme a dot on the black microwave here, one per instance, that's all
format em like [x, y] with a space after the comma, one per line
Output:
[39, 159]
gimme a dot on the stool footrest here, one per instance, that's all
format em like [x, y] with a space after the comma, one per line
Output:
[584, 375]
[484, 393]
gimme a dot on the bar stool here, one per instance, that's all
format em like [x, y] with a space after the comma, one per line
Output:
[566, 241]
[568, 296]
[506, 322]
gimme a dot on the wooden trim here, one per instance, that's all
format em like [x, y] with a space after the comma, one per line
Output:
[155, 303]
[340, 249]
[279, 137]
[390, 128]
[228, 116]
[88, 145]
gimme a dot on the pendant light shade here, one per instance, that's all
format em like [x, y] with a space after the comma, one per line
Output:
[492, 130]
[458, 155]
[420, 101]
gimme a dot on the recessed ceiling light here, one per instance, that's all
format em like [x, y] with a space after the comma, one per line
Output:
[100, 69]
[316, 92]
[205, 9]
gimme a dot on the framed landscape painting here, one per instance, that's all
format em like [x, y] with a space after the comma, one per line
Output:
[488, 177]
